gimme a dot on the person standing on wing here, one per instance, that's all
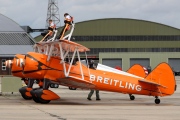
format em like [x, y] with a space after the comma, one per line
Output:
[68, 20]
[51, 27]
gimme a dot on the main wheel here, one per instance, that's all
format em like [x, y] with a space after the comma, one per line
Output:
[54, 85]
[35, 99]
[72, 88]
[34, 96]
[157, 101]
[42, 101]
[26, 97]
[23, 93]
[132, 97]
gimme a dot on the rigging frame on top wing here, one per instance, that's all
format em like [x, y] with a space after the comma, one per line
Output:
[68, 36]
[61, 49]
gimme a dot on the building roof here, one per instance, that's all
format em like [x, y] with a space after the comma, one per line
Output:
[8, 25]
[11, 50]
[120, 27]
[12, 34]
[13, 38]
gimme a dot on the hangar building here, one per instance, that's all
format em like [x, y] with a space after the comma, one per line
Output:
[13, 40]
[124, 42]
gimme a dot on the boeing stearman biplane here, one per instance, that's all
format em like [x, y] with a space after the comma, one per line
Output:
[48, 62]
[17, 70]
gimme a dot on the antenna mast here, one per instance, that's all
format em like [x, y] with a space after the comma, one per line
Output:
[53, 13]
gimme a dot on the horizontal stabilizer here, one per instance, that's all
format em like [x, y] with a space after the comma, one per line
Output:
[153, 83]
[76, 82]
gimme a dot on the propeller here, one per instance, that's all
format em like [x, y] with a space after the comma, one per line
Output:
[8, 63]
[20, 62]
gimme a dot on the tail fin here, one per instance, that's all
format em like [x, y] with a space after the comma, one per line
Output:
[138, 70]
[164, 78]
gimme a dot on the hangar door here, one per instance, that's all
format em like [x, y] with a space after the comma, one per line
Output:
[112, 62]
[174, 63]
[142, 61]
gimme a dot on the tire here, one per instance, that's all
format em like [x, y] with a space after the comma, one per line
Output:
[72, 88]
[26, 97]
[42, 101]
[34, 96]
[35, 99]
[132, 97]
[157, 101]
[52, 85]
[56, 85]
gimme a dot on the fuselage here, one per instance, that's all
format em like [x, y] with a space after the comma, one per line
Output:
[37, 66]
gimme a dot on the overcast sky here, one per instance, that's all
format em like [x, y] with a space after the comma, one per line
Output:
[34, 12]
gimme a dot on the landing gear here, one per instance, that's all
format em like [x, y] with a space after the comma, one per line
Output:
[42, 101]
[72, 88]
[157, 100]
[25, 91]
[43, 95]
[26, 97]
[52, 85]
[35, 99]
[25, 80]
[34, 95]
[131, 97]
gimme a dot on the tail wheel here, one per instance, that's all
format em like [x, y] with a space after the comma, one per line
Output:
[132, 97]
[157, 101]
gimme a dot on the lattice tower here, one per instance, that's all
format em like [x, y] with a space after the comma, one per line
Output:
[53, 13]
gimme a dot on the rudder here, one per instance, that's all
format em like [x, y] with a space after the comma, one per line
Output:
[164, 76]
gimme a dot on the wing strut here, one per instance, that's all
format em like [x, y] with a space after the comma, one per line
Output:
[62, 49]
[63, 56]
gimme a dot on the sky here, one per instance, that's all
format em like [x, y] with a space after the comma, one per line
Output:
[33, 13]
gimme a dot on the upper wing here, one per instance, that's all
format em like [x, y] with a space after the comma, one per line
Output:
[66, 45]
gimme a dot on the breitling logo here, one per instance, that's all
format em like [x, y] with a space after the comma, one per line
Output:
[119, 83]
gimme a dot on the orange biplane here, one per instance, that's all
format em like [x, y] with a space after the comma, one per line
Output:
[48, 63]
[17, 70]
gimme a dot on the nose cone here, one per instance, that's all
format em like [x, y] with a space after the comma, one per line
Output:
[15, 68]
[8, 63]
[34, 65]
